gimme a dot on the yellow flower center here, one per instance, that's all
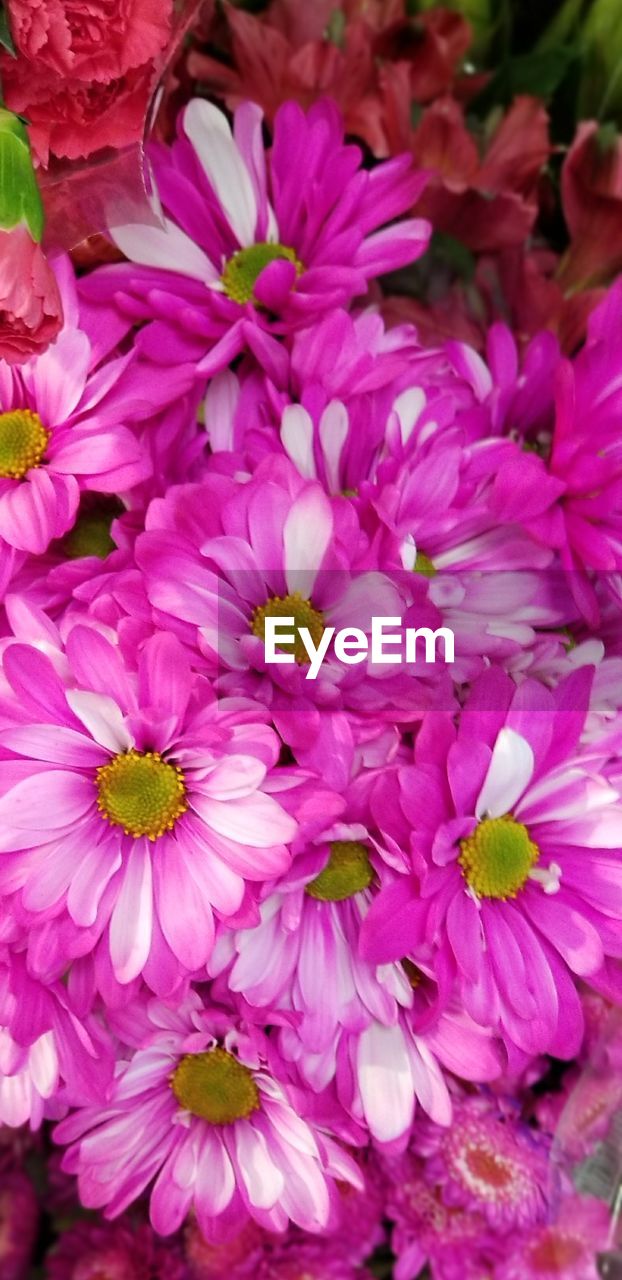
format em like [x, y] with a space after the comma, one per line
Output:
[144, 794]
[23, 441]
[497, 858]
[347, 872]
[424, 565]
[215, 1086]
[243, 269]
[293, 606]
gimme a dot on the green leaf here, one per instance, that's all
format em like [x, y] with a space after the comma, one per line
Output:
[563, 26]
[600, 92]
[6, 39]
[478, 12]
[539, 74]
[20, 200]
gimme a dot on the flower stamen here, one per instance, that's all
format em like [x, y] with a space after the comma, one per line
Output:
[142, 793]
[215, 1086]
[291, 606]
[348, 871]
[497, 859]
[243, 269]
[23, 442]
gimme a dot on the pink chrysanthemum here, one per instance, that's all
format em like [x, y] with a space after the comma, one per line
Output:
[516, 884]
[65, 426]
[248, 234]
[221, 557]
[455, 1242]
[489, 1164]
[197, 1108]
[132, 806]
[119, 1251]
[565, 1250]
[48, 1055]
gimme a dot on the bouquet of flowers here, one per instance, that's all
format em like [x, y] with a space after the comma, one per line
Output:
[310, 644]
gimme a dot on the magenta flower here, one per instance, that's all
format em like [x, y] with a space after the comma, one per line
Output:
[133, 806]
[221, 557]
[457, 1243]
[19, 1220]
[197, 1108]
[244, 245]
[565, 1250]
[490, 1164]
[47, 1053]
[118, 1251]
[516, 882]
[565, 413]
[65, 426]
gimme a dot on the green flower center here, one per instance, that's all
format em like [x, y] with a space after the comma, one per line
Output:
[424, 565]
[215, 1086]
[347, 872]
[23, 441]
[293, 606]
[243, 269]
[90, 535]
[497, 858]
[144, 794]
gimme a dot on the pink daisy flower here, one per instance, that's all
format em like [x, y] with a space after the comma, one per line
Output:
[349, 1021]
[47, 1053]
[565, 1250]
[65, 426]
[574, 444]
[222, 557]
[516, 883]
[197, 1108]
[254, 239]
[132, 806]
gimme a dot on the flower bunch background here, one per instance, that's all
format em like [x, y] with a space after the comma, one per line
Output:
[309, 978]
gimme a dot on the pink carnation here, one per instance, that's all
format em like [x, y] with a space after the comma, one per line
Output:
[72, 119]
[89, 39]
[31, 311]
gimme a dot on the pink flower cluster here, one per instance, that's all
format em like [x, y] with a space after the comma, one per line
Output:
[284, 956]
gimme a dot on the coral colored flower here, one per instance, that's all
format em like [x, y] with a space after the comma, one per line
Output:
[119, 1251]
[591, 191]
[89, 39]
[197, 1107]
[72, 119]
[243, 248]
[31, 311]
[134, 806]
[516, 883]
[490, 203]
[565, 1250]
